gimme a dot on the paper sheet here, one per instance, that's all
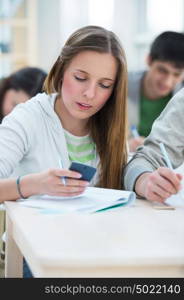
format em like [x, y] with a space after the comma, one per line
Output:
[92, 200]
[177, 200]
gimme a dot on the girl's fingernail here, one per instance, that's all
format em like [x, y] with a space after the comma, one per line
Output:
[79, 175]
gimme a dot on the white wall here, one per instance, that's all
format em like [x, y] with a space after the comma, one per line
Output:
[124, 26]
[57, 19]
[48, 32]
[73, 15]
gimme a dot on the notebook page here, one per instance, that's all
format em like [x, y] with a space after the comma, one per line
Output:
[93, 199]
[177, 200]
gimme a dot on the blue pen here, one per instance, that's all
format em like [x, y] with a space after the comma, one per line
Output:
[134, 131]
[62, 177]
[166, 157]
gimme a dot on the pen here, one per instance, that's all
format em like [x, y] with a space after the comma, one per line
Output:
[62, 177]
[169, 165]
[134, 131]
[166, 157]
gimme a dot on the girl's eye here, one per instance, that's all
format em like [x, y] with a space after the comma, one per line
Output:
[79, 78]
[105, 86]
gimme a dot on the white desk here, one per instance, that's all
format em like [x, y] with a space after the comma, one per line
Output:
[137, 241]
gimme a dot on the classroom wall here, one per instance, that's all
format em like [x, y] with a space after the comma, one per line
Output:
[56, 21]
[124, 25]
[48, 32]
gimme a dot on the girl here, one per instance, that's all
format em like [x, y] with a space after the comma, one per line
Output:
[81, 117]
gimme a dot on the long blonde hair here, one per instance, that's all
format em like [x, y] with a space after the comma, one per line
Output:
[108, 127]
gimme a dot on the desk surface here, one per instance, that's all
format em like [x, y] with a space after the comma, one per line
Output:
[137, 241]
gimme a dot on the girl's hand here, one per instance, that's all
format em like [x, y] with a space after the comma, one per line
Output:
[50, 182]
[158, 185]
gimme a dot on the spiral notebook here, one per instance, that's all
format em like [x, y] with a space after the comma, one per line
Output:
[92, 200]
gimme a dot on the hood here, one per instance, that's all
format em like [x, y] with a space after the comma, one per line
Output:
[45, 104]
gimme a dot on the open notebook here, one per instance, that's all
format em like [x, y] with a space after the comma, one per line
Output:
[92, 200]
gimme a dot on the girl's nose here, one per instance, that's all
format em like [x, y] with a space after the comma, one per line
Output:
[90, 91]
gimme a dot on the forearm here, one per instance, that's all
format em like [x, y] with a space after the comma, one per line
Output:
[133, 170]
[140, 184]
[29, 186]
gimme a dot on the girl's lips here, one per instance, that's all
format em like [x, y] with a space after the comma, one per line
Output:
[84, 106]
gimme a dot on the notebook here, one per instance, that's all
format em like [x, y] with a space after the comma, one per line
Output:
[92, 200]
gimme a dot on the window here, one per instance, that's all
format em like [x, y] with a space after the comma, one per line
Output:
[154, 17]
[164, 15]
[17, 35]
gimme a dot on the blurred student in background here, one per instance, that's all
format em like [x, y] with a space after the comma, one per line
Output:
[149, 91]
[19, 87]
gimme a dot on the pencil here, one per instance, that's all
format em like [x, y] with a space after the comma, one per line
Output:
[166, 157]
[169, 165]
[62, 177]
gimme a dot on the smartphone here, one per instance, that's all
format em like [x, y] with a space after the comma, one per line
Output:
[86, 171]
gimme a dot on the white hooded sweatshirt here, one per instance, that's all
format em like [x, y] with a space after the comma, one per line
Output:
[32, 139]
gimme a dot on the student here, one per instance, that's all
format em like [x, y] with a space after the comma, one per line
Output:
[147, 173]
[81, 117]
[19, 87]
[149, 91]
